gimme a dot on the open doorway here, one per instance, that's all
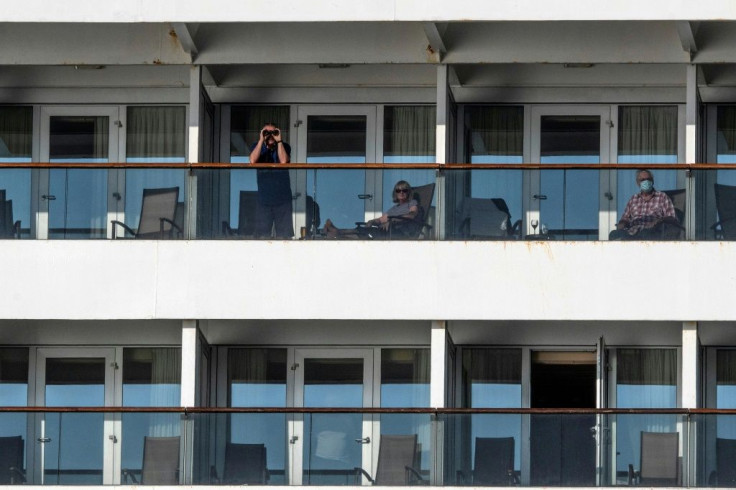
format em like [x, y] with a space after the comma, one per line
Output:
[563, 445]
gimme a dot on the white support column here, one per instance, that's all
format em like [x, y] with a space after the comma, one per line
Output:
[691, 118]
[442, 114]
[690, 365]
[194, 149]
[195, 103]
[691, 122]
[438, 368]
[189, 363]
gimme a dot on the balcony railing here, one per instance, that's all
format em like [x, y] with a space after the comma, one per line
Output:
[343, 446]
[454, 201]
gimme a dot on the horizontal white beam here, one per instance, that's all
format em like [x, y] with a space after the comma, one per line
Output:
[328, 10]
[335, 280]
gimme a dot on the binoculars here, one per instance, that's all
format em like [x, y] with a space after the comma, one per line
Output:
[267, 132]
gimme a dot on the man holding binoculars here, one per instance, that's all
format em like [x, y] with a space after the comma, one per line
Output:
[274, 187]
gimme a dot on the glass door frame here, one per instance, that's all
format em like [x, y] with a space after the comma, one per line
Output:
[296, 424]
[373, 185]
[40, 180]
[532, 179]
[111, 431]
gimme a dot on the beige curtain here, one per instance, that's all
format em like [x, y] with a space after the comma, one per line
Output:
[647, 130]
[16, 132]
[409, 131]
[156, 133]
[496, 130]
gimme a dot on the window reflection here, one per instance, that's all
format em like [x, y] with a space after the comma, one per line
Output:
[645, 378]
[16, 135]
[257, 378]
[405, 383]
[151, 378]
[495, 134]
[647, 135]
[14, 393]
[491, 378]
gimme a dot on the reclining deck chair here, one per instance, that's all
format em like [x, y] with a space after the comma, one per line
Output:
[11, 460]
[672, 230]
[660, 464]
[158, 215]
[493, 463]
[160, 462]
[247, 209]
[397, 456]
[402, 228]
[245, 464]
[488, 219]
[725, 227]
[725, 474]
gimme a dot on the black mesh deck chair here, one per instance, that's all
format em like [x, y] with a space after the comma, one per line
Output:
[725, 227]
[397, 455]
[158, 215]
[8, 227]
[493, 463]
[487, 219]
[247, 209]
[11, 460]
[670, 229]
[725, 474]
[245, 464]
[659, 460]
[160, 462]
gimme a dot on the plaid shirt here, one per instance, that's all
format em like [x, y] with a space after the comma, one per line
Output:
[641, 214]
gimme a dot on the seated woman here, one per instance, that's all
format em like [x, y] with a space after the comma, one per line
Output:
[405, 214]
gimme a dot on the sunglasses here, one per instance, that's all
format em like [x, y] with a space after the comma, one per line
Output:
[275, 132]
[402, 191]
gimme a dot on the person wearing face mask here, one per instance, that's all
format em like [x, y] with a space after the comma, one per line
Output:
[645, 213]
[274, 187]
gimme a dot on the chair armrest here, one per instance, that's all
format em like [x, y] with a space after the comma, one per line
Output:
[21, 478]
[633, 476]
[125, 228]
[227, 230]
[214, 478]
[129, 473]
[514, 477]
[358, 472]
[413, 477]
[173, 226]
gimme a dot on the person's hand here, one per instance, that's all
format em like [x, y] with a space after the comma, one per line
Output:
[261, 138]
[383, 219]
[277, 137]
[621, 225]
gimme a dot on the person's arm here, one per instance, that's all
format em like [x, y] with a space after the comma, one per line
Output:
[255, 153]
[282, 151]
[626, 217]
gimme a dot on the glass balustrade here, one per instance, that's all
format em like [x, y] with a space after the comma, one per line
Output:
[552, 201]
[384, 447]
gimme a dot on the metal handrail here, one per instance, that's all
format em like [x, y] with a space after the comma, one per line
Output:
[377, 410]
[374, 166]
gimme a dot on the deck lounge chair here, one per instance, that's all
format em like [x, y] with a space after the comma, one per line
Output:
[725, 227]
[725, 474]
[245, 464]
[160, 462]
[397, 456]
[247, 208]
[488, 219]
[660, 465]
[158, 215]
[11, 460]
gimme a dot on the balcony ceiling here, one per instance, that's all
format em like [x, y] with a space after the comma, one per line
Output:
[491, 61]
